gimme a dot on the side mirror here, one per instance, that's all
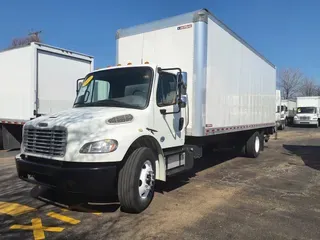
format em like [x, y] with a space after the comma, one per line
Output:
[79, 84]
[182, 82]
[184, 79]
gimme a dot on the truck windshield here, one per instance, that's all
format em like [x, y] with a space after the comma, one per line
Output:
[121, 87]
[306, 110]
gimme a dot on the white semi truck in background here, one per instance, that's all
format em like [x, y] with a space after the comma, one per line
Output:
[288, 111]
[36, 79]
[181, 84]
[308, 111]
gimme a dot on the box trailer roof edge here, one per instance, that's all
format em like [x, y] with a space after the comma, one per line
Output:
[200, 15]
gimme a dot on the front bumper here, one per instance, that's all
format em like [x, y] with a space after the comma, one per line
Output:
[305, 122]
[89, 178]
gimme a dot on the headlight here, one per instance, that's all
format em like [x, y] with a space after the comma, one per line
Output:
[296, 117]
[103, 146]
[315, 118]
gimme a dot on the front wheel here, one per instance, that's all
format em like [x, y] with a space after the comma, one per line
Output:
[136, 181]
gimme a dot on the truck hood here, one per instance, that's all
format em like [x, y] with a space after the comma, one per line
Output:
[91, 124]
[75, 116]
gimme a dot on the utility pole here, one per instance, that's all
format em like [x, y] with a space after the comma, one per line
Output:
[35, 35]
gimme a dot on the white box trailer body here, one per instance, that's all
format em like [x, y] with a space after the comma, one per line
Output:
[291, 106]
[312, 101]
[37, 79]
[278, 106]
[308, 111]
[231, 87]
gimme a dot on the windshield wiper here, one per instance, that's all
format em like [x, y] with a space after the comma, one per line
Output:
[106, 103]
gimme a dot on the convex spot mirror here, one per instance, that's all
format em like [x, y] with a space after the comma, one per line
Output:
[183, 80]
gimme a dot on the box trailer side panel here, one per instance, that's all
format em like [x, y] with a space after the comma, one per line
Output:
[128, 54]
[241, 85]
[278, 101]
[229, 83]
[292, 105]
[167, 47]
[17, 95]
[56, 78]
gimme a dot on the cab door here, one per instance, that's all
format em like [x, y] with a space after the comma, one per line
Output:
[169, 118]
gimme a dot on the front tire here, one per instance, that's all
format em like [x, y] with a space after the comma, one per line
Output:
[136, 181]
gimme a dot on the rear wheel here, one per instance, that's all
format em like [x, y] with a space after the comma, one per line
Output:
[136, 181]
[253, 145]
[282, 126]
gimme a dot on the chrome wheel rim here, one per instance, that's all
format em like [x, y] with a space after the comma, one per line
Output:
[257, 144]
[146, 179]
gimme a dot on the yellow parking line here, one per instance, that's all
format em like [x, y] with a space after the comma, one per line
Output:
[14, 209]
[37, 228]
[63, 218]
[97, 213]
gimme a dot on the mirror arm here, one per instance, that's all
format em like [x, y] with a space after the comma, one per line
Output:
[166, 113]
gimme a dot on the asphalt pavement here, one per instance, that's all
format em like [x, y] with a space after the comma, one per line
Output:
[276, 196]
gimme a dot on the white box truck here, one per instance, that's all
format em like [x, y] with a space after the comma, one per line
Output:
[308, 111]
[288, 111]
[36, 79]
[184, 83]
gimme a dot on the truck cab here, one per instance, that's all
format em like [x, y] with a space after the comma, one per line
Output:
[284, 114]
[308, 111]
[307, 116]
[122, 112]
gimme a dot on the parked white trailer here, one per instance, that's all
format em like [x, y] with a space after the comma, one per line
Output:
[308, 111]
[186, 83]
[279, 122]
[36, 79]
[288, 110]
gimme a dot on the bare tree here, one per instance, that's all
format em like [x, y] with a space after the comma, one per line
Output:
[289, 82]
[32, 37]
[308, 87]
[317, 91]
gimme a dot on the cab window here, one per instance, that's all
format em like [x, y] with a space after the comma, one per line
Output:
[167, 89]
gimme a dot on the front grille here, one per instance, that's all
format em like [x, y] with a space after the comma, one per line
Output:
[50, 142]
[305, 118]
